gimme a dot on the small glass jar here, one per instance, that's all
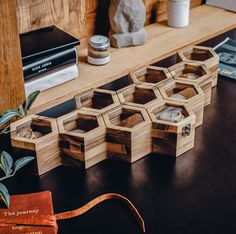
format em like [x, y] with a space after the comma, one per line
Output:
[98, 50]
[178, 13]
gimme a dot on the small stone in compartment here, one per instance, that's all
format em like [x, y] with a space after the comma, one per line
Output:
[178, 96]
[37, 134]
[79, 131]
[184, 94]
[171, 114]
[190, 76]
[132, 120]
[28, 133]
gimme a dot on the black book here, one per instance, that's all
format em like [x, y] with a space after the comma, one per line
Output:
[50, 63]
[43, 42]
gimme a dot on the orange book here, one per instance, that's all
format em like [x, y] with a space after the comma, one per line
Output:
[29, 208]
[33, 213]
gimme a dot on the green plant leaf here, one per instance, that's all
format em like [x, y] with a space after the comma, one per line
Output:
[5, 130]
[4, 195]
[6, 163]
[21, 110]
[6, 111]
[30, 100]
[22, 162]
[8, 117]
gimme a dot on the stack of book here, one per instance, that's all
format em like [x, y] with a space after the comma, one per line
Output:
[49, 58]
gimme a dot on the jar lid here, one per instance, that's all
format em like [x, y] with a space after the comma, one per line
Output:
[99, 42]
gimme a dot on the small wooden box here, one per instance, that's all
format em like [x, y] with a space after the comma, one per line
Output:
[195, 73]
[172, 138]
[128, 133]
[203, 55]
[83, 137]
[151, 75]
[45, 148]
[185, 92]
[97, 100]
[139, 95]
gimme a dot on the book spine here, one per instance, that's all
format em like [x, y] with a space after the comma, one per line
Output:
[49, 63]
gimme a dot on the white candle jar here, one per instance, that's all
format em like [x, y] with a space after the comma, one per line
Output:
[178, 13]
[98, 50]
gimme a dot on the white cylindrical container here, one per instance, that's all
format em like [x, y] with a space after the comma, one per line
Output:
[178, 13]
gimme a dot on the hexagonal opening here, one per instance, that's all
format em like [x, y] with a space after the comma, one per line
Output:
[139, 96]
[197, 54]
[80, 123]
[181, 91]
[126, 118]
[191, 72]
[97, 101]
[34, 129]
[170, 113]
[152, 76]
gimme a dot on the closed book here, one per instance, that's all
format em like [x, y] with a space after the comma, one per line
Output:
[47, 81]
[32, 206]
[49, 63]
[45, 41]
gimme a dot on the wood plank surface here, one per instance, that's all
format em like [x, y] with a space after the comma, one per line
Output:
[206, 22]
[67, 15]
[11, 75]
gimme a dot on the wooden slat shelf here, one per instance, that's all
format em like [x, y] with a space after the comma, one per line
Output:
[206, 22]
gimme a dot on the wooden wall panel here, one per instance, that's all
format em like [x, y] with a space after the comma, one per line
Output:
[69, 15]
[81, 18]
[11, 77]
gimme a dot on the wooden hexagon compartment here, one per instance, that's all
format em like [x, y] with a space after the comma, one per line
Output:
[203, 55]
[185, 92]
[97, 100]
[139, 95]
[197, 74]
[128, 133]
[151, 75]
[83, 137]
[38, 136]
[173, 128]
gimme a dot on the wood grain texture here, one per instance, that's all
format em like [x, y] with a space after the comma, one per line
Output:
[168, 137]
[139, 95]
[67, 15]
[11, 76]
[45, 148]
[206, 22]
[193, 94]
[151, 76]
[204, 76]
[87, 148]
[199, 54]
[128, 133]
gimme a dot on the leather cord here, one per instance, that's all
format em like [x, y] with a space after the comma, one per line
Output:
[51, 220]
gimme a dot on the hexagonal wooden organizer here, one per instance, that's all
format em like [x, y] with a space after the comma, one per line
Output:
[139, 95]
[45, 147]
[97, 100]
[83, 137]
[172, 138]
[184, 92]
[151, 75]
[195, 73]
[203, 55]
[128, 133]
